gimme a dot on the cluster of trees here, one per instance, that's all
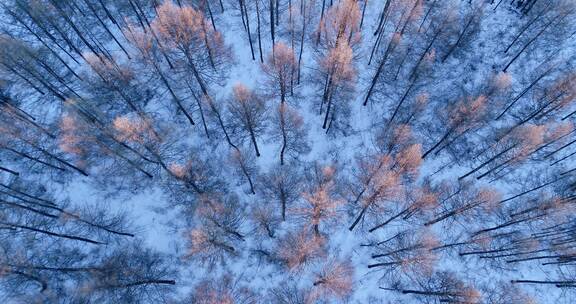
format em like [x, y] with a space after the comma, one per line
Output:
[404, 144]
[53, 251]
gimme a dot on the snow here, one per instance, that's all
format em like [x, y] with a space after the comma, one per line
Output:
[159, 222]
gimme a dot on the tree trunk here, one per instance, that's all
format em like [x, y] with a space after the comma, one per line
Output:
[95, 13]
[199, 103]
[413, 82]
[50, 233]
[543, 282]
[528, 44]
[321, 20]
[533, 83]
[173, 94]
[488, 161]
[283, 203]
[301, 40]
[258, 31]
[284, 135]
[9, 171]
[253, 138]
[24, 194]
[242, 4]
[427, 14]
[359, 217]
[527, 26]
[22, 154]
[327, 111]
[272, 26]
[33, 210]
[363, 13]
[439, 142]
[389, 220]
[455, 45]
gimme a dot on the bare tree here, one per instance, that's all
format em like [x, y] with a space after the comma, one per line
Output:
[464, 198]
[334, 280]
[282, 186]
[297, 250]
[184, 33]
[320, 206]
[380, 180]
[266, 222]
[289, 128]
[57, 239]
[515, 147]
[247, 115]
[339, 33]
[445, 287]
[407, 254]
[225, 289]
[280, 68]
[245, 166]
[507, 293]
[219, 232]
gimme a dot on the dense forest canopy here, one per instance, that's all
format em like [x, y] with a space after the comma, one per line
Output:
[288, 151]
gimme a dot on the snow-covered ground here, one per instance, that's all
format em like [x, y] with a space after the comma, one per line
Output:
[164, 223]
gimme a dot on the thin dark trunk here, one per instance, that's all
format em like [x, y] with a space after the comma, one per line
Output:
[283, 203]
[543, 282]
[248, 29]
[9, 171]
[129, 161]
[24, 194]
[506, 224]
[415, 68]
[324, 125]
[245, 171]
[33, 210]
[301, 41]
[359, 217]
[531, 190]
[427, 14]
[208, 47]
[375, 47]
[95, 13]
[253, 138]
[528, 44]
[284, 135]
[22, 154]
[488, 161]
[455, 45]
[54, 234]
[438, 143]
[272, 26]
[382, 18]
[532, 84]
[401, 101]
[389, 220]
[363, 13]
[258, 31]
[452, 213]
[321, 20]
[210, 14]
[527, 26]
[146, 282]
[383, 264]
[199, 103]
[277, 9]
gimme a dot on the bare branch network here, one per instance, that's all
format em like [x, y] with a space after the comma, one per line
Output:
[288, 151]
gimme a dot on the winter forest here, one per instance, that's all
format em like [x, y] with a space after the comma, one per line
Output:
[288, 151]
